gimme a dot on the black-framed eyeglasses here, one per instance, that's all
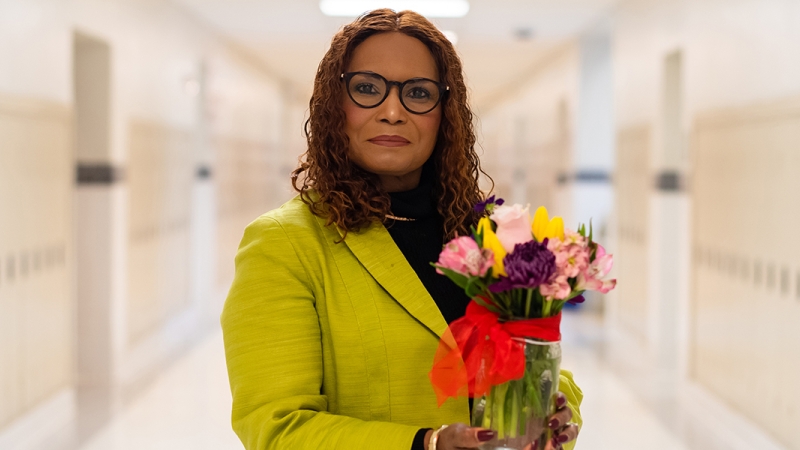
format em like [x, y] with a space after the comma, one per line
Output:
[417, 95]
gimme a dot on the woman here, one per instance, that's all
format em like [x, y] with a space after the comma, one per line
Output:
[335, 314]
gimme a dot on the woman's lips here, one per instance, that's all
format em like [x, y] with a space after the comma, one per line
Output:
[390, 141]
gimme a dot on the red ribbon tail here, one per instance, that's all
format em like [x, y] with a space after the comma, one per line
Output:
[449, 374]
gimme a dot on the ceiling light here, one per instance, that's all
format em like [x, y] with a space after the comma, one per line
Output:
[428, 8]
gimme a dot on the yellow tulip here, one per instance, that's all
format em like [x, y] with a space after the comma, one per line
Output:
[556, 228]
[491, 242]
[544, 228]
[540, 222]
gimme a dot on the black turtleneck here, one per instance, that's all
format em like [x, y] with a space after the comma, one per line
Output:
[421, 241]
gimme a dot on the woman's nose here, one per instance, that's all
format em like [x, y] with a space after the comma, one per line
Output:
[392, 110]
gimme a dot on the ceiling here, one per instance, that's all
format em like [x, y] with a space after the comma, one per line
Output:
[499, 40]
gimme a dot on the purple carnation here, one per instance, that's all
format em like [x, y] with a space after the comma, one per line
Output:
[528, 266]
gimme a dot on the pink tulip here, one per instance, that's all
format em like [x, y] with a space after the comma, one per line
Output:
[463, 255]
[592, 277]
[513, 225]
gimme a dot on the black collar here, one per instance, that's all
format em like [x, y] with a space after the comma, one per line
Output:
[417, 203]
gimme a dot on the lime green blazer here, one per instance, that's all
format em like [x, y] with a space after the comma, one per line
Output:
[329, 344]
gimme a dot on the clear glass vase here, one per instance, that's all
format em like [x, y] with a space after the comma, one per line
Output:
[518, 410]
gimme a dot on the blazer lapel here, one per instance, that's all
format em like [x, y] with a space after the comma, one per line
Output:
[377, 252]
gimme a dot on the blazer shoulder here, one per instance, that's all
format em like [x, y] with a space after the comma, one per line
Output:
[295, 221]
[293, 215]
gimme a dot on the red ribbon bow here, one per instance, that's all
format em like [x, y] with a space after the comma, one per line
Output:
[478, 352]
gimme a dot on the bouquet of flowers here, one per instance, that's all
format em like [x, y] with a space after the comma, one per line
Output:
[505, 352]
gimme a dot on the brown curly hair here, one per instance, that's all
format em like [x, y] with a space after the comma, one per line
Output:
[351, 197]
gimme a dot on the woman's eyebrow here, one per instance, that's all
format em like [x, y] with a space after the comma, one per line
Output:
[410, 78]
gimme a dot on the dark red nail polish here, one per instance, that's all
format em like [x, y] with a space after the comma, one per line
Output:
[486, 435]
[561, 438]
[553, 424]
[560, 401]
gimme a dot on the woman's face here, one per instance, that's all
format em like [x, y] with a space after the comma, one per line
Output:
[388, 140]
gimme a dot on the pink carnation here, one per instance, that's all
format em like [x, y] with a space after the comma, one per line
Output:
[572, 254]
[558, 288]
[463, 255]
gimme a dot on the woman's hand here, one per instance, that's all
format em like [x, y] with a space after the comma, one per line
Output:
[459, 436]
[563, 430]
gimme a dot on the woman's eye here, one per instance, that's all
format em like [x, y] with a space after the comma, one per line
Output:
[366, 89]
[418, 93]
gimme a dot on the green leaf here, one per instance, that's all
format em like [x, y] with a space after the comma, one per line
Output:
[487, 305]
[573, 294]
[591, 231]
[556, 307]
[474, 286]
[477, 236]
[457, 278]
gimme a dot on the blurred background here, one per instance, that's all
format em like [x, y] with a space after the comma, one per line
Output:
[139, 137]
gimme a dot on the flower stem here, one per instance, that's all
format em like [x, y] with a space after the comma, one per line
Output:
[528, 303]
[500, 409]
[513, 424]
[546, 308]
[488, 409]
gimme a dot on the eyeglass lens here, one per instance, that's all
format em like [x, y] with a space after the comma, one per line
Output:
[369, 90]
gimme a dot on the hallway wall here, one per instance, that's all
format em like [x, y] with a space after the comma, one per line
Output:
[740, 80]
[201, 139]
[36, 254]
[527, 136]
[746, 269]
[716, 308]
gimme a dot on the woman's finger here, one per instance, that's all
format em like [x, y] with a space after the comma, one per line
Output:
[561, 400]
[566, 434]
[560, 418]
[459, 435]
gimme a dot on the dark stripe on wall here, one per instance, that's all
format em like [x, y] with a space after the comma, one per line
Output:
[670, 181]
[584, 176]
[203, 173]
[592, 176]
[98, 174]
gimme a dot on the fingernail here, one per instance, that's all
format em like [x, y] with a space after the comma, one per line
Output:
[553, 424]
[486, 435]
[560, 401]
[562, 438]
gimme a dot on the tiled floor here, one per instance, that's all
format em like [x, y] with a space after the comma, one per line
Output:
[188, 406]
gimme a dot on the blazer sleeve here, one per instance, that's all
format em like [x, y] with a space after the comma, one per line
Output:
[566, 384]
[273, 349]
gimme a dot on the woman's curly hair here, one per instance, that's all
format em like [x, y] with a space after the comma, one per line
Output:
[351, 197]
